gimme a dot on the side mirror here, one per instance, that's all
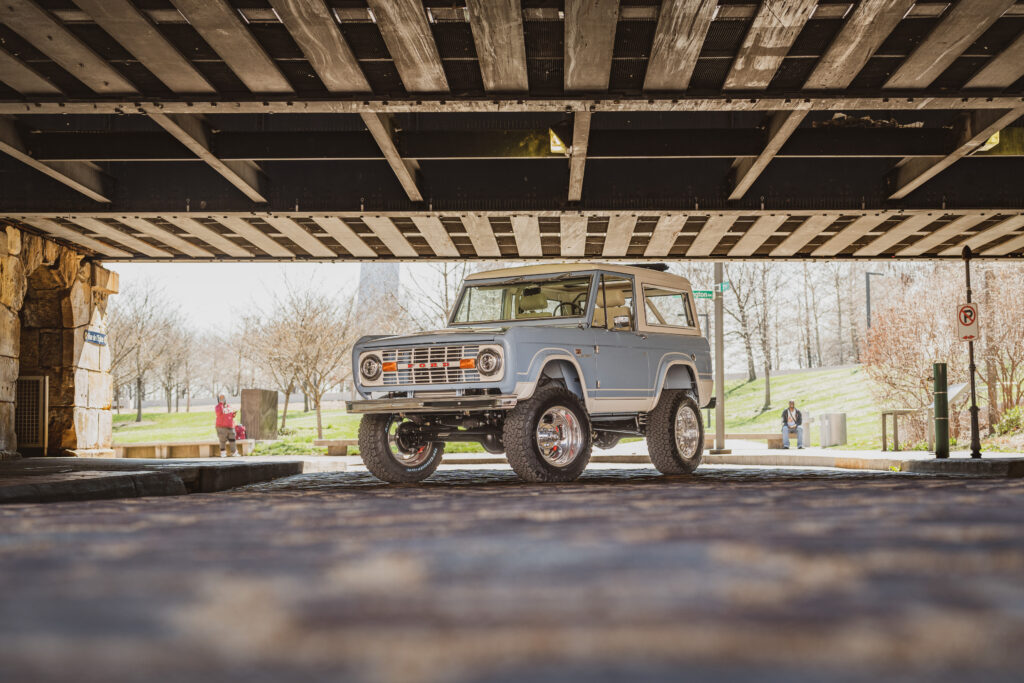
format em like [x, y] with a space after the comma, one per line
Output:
[620, 322]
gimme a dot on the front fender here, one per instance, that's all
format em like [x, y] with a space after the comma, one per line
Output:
[527, 379]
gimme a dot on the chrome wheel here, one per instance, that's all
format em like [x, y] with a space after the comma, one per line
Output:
[687, 431]
[404, 449]
[559, 436]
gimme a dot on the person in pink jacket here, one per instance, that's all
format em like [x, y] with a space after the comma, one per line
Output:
[225, 426]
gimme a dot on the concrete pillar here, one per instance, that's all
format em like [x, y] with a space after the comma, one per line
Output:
[719, 362]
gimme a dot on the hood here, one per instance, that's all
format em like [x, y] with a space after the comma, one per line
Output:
[463, 335]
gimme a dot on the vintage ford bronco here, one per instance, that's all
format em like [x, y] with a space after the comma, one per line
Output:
[540, 363]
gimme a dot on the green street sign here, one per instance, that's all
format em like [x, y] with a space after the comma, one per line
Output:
[703, 294]
[723, 287]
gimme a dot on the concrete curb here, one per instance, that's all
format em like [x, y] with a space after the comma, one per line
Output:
[72, 486]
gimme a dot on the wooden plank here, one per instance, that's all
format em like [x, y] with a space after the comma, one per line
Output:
[169, 238]
[49, 36]
[757, 234]
[573, 236]
[300, 236]
[527, 232]
[208, 235]
[68, 235]
[1003, 70]
[437, 237]
[897, 234]
[850, 234]
[23, 78]
[780, 127]
[957, 30]
[769, 38]
[665, 234]
[710, 235]
[78, 175]
[345, 236]
[405, 170]
[578, 154]
[111, 233]
[137, 34]
[1006, 248]
[481, 234]
[190, 130]
[987, 236]
[682, 26]
[799, 238]
[404, 28]
[317, 34]
[950, 230]
[975, 129]
[619, 236]
[868, 26]
[497, 27]
[221, 26]
[255, 236]
[589, 42]
[391, 236]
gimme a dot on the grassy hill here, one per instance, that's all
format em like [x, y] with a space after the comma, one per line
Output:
[844, 390]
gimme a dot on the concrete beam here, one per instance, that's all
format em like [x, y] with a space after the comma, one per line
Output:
[869, 25]
[497, 27]
[221, 27]
[665, 234]
[746, 170]
[380, 127]
[437, 237]
[345, 236]
[954, 228]
[757, 234]
[578, 153]
[957, 30]
[527, 233]
[212, 237]
[81, 176]
[1003, 70]
[861, 226]
[682, 27]
[897, 233]
[23, 78]
[111, 233]
[403, 25]
[619, 235]
[60, 231]
[300, 236]
[316, 32]
[169, 238]
[255, 236]
[1007, 247]
[49, 36]
[767, 42]
[589, 42]
[709, 236]
[481, 235]
[391, 236]
[987, 236]
[573, 236]
[137, 34]
[974, 130]
[191, 132]
[798, 239]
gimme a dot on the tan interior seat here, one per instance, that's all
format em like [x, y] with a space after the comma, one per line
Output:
[604, 316]
[532, 306]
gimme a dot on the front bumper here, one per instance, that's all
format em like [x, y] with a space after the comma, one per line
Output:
[453, 404]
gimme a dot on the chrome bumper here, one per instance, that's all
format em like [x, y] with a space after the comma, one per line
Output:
[452, 404]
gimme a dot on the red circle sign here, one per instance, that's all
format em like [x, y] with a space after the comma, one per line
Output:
[966, 315]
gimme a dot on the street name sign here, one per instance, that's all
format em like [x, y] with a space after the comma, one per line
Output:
[703, 294]
[967, 322]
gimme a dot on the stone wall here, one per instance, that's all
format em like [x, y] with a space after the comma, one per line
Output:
[49, 297]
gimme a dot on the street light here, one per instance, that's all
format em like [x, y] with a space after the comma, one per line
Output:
[867, 295]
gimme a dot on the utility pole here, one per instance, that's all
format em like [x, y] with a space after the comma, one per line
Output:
[975, 431]
[719, 362]
[867, 293]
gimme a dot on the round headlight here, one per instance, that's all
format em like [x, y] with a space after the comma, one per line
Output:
[488, 362]
[369, 367]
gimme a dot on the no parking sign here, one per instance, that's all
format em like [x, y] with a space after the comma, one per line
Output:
[967, 322]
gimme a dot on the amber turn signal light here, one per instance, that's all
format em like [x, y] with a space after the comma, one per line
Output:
[390, 367]
[467, 364]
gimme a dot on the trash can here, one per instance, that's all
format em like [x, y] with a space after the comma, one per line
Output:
[832, 429]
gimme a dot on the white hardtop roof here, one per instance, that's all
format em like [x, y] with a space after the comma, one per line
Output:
[646, 274]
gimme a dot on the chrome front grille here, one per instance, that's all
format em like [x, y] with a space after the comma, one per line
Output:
[429, 365]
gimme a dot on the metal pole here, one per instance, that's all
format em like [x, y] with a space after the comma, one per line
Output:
[719, 362]
[975, 431]
[705, 324]
[941, 410]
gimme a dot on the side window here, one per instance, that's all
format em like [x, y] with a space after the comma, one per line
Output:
[667, 308]
[614, 308]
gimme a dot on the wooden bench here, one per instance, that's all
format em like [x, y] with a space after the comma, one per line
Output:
[178, 449]
[336, 446]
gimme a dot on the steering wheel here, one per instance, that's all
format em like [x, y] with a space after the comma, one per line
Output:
[574, 309]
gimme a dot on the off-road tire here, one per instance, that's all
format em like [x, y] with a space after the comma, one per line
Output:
[375, 451]
[661, 439]
[520, 431]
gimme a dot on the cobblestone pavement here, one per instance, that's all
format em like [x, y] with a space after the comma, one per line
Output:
[731, 574]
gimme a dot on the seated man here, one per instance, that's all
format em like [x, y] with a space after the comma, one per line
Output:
[792, 420]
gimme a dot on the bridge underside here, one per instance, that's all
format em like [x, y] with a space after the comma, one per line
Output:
[397, 129]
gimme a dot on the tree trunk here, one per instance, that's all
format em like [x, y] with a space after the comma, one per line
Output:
[767, 386]
[305, 402]
[319, 421]
[138, 398]
[284, 414]
[169, 395]
[839, 317]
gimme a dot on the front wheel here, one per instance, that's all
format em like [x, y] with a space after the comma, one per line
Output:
[675, 433]
[547, 437]
[394, 451]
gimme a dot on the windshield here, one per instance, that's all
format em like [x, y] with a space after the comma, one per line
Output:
[559, 297]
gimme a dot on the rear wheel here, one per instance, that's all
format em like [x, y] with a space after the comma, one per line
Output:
[675, 433]
[547, 437]
[394, 450]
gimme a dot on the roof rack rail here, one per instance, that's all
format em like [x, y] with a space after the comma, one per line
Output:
[660, 267]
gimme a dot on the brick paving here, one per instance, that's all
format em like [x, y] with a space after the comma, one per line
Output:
[732, 574]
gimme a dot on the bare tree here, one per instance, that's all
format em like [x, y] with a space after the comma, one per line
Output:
[742, 286]
[432, 292]
[763, 310]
